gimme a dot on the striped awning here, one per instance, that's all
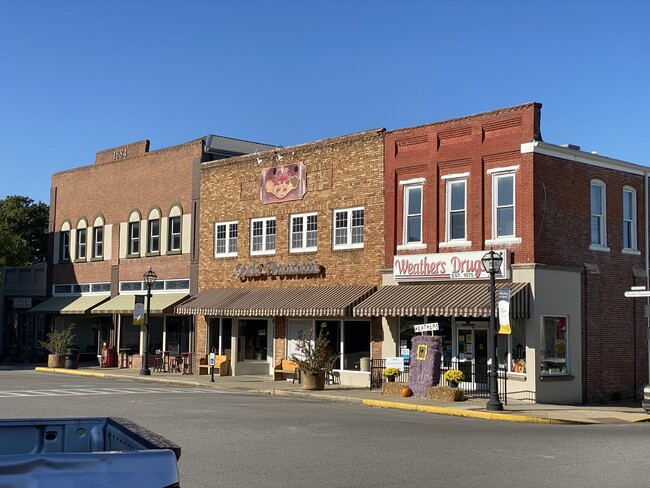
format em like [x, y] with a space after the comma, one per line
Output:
[442, 299]
[124, 304]
[69, 305]
[271, 302]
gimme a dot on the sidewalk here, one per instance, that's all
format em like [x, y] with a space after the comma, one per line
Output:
[514, 411]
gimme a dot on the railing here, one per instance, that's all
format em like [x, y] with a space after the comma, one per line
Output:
[476, 384]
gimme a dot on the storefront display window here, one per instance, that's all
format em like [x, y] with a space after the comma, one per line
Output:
[406, 333]
[511, 348]
[253, 340]
[178, 334]
[553, 345]
[356, 343]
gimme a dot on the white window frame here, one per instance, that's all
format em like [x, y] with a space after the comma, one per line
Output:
[408, 188]
[544, 341]
[98, 242]
[629, 221]
[229, 244]
[133, 241]
[153, 239]
[348, 229]
[451, 183]
[601, 218]
[304, 233]
[82, 243]
[266, 240]
[496, 207]
[175, 236]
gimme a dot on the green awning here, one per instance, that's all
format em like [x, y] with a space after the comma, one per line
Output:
[69, 305]
[123, 304]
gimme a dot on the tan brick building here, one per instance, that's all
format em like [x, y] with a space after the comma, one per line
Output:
[291, 239]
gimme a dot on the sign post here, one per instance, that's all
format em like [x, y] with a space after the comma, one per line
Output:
[211, 367]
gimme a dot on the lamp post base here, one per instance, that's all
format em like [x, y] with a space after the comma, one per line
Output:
[145, 372]
[494, 405]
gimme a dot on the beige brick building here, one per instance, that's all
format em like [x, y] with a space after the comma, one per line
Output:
[303, 258]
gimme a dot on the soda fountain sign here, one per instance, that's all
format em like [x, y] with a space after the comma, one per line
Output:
[445, 266]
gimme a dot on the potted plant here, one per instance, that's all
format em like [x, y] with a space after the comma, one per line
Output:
[453, 377]
[56, 343]
[391, 373]
[314, 358]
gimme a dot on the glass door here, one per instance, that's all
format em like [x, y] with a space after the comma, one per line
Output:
[472, 355]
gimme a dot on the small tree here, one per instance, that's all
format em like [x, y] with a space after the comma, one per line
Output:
[314, 355]
[59, 340]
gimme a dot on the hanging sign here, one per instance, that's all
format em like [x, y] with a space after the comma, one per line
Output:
[138, 310]
[283, 183]
[503, 305]
[426, 327]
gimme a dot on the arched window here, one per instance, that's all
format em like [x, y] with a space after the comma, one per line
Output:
[64, 242]
[133, 239]
[153, 232]
[81, 240]
[98, 238]
[174, 227]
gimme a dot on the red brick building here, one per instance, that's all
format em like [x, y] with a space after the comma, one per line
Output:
[570, 227]
[110, 222]
[289, 240]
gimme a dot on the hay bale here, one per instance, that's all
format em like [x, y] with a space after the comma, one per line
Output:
[445, 394]
[392, 388]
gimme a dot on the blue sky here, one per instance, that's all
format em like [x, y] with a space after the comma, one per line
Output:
[79, 76]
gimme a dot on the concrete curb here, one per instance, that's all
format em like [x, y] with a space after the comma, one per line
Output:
[456, 412]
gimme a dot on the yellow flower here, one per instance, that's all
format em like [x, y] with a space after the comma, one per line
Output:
[454, 375]
[391, 372]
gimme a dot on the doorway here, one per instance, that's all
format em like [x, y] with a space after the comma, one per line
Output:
[472, 355]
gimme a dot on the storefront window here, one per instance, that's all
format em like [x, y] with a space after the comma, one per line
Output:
[553, 345]
[252, 340]
[511, 348]
[178, 334]
[356, 343]
[406, 333]
[219, 335]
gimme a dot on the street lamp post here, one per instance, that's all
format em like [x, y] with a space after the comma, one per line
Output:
[149, 279]
[492, 264]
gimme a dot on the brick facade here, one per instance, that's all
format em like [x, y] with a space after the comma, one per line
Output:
[342, 173]
[552, 226]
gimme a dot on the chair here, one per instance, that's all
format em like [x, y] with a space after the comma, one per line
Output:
[158, 364]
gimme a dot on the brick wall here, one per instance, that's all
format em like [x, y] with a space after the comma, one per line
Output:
[342, 172]
[124, 179]
[473, 145]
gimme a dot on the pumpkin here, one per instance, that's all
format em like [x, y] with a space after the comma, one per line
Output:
[406, 391]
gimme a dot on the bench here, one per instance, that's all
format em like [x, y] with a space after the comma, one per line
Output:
[221, 365]
[285, 367]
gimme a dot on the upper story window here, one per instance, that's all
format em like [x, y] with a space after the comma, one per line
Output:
[598, 215]
[225, 239]
[263, 236]
[174, 234]
[81, 240]
[154, 236]
[503, 199]
[81, 244]
[98, 238]
[304, 232]
[412, 214]
[153, 232]
[174, 227]
[134, 238]
[349, 224]
[629, 218]
[456, 209]
[64, 244]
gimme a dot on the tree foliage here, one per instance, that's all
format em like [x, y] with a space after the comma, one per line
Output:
[23, 231]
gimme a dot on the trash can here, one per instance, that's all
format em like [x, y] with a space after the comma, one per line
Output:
[364, 364]
[71, 358]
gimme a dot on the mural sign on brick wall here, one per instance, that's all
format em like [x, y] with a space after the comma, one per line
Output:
[283, 183]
